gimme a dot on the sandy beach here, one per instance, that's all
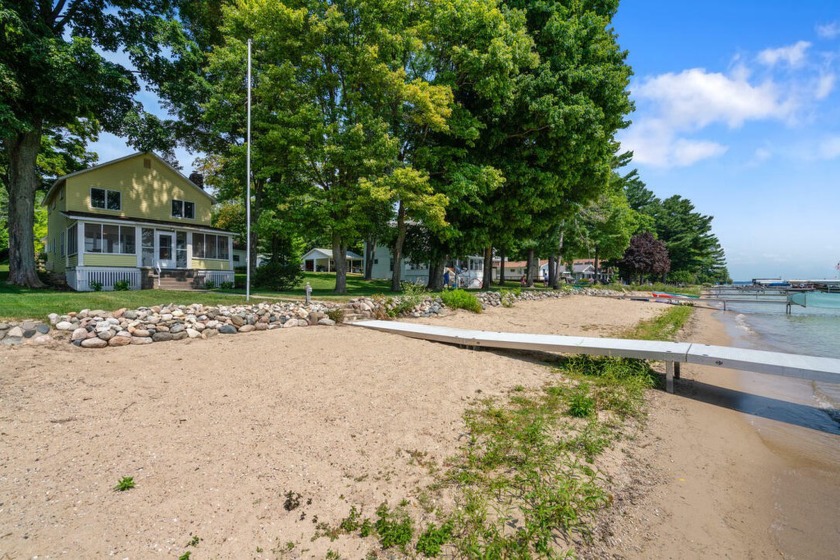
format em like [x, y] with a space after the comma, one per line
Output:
[218, 433]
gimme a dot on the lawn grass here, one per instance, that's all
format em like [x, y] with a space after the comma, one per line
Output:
[323, 284]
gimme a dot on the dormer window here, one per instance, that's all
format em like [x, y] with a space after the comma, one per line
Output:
[105, 199]
[183, 209]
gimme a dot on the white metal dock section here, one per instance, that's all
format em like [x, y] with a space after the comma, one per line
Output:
[672, 353]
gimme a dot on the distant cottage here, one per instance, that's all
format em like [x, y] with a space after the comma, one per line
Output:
[136, 221]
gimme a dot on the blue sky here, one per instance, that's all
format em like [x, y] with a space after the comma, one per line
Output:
[738, 110]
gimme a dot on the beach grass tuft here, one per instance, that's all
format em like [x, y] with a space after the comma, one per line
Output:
[461, 299]
[665, 326]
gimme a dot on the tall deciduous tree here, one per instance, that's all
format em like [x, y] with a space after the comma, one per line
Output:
[54, 77]
[555, 146]
[478, 49]
[336, 103]
[602, 229]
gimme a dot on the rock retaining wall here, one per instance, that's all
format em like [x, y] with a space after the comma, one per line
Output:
[100, 329]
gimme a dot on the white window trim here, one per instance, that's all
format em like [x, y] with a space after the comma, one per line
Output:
[119, 227]
[183, 209]
[106, 191]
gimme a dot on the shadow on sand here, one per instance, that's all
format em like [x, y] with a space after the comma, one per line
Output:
[796, 414]
[806, 416]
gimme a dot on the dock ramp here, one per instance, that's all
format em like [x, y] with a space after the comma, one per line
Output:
[672, 353]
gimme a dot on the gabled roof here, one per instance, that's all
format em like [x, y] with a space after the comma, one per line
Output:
[320, 253]
[61, 180]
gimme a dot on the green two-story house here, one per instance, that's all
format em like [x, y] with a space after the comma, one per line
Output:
[135, 220]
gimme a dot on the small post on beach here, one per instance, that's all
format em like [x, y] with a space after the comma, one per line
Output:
[308, 293]
[676, 370]
[669, 377]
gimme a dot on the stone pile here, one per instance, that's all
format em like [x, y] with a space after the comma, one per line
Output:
[494, 299]
[31, 332]
[98, 328]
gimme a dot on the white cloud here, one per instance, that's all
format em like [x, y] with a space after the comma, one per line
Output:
[655, 143]
[828, 30]
[793, 55]
[829, 148]
[677, 105]
[825, 85]
[678, 112]
[689, 152]
[695, 98]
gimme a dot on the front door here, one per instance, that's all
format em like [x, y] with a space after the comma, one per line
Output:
[166, 249]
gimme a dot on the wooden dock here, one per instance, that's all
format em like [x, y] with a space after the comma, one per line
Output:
[672, 353]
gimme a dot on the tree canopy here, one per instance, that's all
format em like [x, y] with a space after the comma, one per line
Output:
[441, 128]
[49, 47]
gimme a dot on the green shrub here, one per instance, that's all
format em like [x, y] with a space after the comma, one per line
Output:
[209, 284]
[122, 286]
[461, 299]
[226, 285]
[96, 286]
[278, 276]
[336, 315]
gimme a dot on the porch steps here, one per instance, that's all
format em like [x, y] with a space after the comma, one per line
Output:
[174, 284]
[175, 280]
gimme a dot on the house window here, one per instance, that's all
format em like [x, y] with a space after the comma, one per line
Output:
[208, 246]
[235, 258]
[72, 240]
[105, 199]
[183, 209]
[102, 238]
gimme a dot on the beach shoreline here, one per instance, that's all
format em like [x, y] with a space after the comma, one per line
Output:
[336, 415]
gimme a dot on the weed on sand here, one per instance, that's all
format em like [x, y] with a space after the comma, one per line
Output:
[525, 484]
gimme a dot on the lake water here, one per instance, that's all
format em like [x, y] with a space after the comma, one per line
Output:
[811, 331]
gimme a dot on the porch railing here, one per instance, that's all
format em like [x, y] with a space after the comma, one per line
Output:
[84, 279]
[218, 276]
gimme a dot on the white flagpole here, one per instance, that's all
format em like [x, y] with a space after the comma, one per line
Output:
[248, 187]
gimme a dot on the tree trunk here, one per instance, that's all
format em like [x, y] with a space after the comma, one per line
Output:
[487, 277]
[502, 269]
[22, 150]
[529, 269]
[256, 210]
[340, 257]
[552, 271]
[559, 260]
[370, 244]
[436, 274]
[396, 275]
